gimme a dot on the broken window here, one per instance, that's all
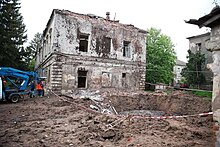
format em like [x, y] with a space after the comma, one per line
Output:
[83, 43]
[126, 49]
[123, 75]
[48, 76]
[106, 45]
[198, 46]
[106, 79]
[124, 80]
[82, 79]
[50, 39]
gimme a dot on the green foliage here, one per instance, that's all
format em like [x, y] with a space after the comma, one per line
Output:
[203, 93]
[183, 80]
[31, 50]
[160, 57]
[192, 71]
[12, 35]
[35, 44]
[31, 65]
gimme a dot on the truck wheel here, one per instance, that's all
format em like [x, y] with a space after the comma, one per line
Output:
[14, 98]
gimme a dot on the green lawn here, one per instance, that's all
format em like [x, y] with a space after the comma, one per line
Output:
[203, 94]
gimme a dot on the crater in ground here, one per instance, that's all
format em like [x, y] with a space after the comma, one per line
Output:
[175, 103]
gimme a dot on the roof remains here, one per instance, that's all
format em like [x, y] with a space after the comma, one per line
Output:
[208, 20]
[198, 36]
[92, 18]
[181, 63]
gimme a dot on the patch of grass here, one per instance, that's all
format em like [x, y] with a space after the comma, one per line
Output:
[203, 94]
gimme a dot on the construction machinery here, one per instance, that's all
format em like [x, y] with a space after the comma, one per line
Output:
[14, 83]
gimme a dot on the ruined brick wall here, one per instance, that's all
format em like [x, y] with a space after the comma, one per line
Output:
[214, 46]
[101, 73]
[105, 62]
[68, 28]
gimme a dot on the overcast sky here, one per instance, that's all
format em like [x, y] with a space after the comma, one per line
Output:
[167, 15]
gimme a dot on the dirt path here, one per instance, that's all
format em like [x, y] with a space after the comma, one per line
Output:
[50, 121]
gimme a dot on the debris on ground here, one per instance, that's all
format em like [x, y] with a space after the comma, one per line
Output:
[70, 121]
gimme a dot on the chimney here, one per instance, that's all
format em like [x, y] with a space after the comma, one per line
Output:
[108, 15]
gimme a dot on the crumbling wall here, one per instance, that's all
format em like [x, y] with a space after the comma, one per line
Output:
[101, 73]
[214, 46]
[103, 62]
[69, 27]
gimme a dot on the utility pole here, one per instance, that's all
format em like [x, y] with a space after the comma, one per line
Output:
[197, 75]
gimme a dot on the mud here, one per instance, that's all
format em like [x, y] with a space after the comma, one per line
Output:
[62, 121]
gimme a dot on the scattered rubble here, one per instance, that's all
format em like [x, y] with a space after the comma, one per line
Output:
[62, 121]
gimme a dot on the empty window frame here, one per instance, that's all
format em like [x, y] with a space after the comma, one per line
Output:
[48, 76]
[123, 75]
[126, 49]
[124, 80]
[83, 43]
[107, 44]
[198, 47]
[82, 80]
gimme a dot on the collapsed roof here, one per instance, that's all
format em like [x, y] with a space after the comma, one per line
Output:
[208, 20]
[92, 18]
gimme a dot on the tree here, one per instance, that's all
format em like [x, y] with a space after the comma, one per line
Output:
[12, 35]
[31, 50]
[160, 57]
[192, 71]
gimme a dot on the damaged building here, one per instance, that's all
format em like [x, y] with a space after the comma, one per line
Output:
[212, 20]
[85, 51]
[197, 44]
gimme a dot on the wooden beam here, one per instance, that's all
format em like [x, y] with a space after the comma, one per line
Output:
[211, 20]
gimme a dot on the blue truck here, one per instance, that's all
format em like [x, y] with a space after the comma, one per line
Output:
[14, 83]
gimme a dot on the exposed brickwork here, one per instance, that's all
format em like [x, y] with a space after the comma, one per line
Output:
[111, 54]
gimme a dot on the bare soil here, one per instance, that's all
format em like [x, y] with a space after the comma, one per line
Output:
[61, 121]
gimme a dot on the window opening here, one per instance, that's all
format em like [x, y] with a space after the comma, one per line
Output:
[126, 49]
[107, 44]
[83, 43]
[198, 46]
[82, 79]
[123, 75]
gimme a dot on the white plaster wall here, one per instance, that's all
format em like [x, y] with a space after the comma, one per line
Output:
[177, 70]
[65, 36]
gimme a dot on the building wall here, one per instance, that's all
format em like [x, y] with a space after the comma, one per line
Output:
[212, 20]
[214, 46]
[201, 39]
[68, 29]
[102, 73]
[197, 43]
[105, 62]
[177, 71]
